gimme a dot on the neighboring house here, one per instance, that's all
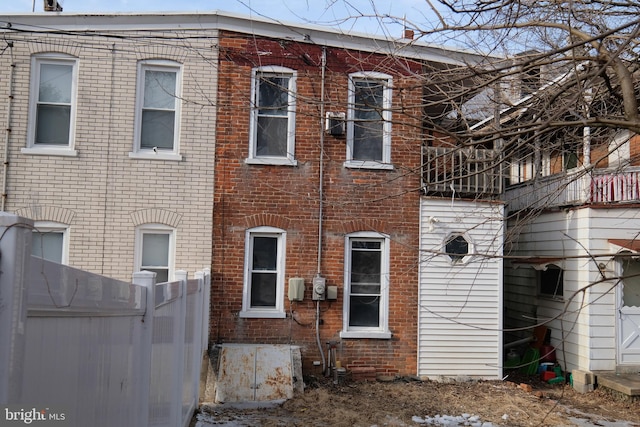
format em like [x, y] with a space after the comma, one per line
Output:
[109, 139]
[572, 203]
[319, 181]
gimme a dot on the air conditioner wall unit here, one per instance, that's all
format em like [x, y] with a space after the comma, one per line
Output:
[335, 123]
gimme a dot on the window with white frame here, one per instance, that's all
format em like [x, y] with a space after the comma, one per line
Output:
[273, 116]
[522, 166]
[158, 110]
[551, 282]
[369, 121]
[366, 286]
[53, 105]
[459, 248]
[50, 241]
[263, 294]
[155, 251]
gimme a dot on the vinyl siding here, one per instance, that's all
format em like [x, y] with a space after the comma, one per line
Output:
[460, 311]
[585, 335]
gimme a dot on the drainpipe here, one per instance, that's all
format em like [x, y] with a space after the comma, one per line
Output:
[320, 200]
[321, 173]
[7, 132]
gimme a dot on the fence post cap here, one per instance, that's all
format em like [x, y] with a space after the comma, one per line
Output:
[144, 274]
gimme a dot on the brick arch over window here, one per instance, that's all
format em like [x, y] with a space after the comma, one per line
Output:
[47, 213]
[356, 225]
[161, 52]
[54, 46]
[156, 216]
[264, 219]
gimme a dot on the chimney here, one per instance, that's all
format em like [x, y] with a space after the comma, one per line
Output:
[408, 34]
[52, 6]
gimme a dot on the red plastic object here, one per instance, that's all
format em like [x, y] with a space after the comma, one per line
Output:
[547, 353]
[547, 375]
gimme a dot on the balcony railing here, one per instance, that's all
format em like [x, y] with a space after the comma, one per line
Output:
[597, 186]
[466, 171]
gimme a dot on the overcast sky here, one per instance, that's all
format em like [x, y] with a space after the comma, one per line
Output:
[323, 12]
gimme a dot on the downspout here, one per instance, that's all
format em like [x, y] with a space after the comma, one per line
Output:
[7, 132]
[320, 200]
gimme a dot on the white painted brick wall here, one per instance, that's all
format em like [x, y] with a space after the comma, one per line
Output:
[102, 186]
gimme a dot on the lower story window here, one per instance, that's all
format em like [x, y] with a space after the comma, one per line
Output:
[366, 286]
[155, 251]
[551, 282]
[50, 241]
[264, 273]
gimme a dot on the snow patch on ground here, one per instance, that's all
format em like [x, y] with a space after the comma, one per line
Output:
[253, 420]
[449, 420]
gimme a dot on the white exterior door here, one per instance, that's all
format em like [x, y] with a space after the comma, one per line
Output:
[629, 313]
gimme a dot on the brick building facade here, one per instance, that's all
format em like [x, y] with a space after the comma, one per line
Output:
[373, 201]
[96, 192]
[191, 140]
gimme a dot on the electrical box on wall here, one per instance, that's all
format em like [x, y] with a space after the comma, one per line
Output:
[319, 288]
[296, 289]
[332, 292]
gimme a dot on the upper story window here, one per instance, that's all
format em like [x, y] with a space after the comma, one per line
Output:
[369, 121]
[155, 250]
[571, 155]
[50, 241]
[52, 105]
[525, 165]
[158, 111]
[366, 287]
[263, 294]
[273, 104]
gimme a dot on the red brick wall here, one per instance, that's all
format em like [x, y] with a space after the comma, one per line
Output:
[246, 196]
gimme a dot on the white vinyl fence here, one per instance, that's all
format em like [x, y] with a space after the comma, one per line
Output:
[93, 350]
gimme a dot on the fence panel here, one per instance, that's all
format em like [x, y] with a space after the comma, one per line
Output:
[166, 366]
[101, 351]
[192, 350]
[81, 344]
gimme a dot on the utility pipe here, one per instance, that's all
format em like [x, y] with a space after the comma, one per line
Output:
[7, 132]
[320, 198]
[321, 172]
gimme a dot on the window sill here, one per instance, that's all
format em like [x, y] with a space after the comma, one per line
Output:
[155, 156]
[367, 164]
[551, 298]
[276, 161]
[255, 314]
[378, 335]
[50, 151]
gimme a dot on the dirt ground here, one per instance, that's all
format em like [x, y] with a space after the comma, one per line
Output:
[407, 402]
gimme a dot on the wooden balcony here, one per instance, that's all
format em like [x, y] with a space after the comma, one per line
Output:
[576, 187]
[465, 171]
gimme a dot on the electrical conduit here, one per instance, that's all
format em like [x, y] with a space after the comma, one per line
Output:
[320, 199]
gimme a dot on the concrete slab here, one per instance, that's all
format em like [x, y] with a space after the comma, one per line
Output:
[628, 384]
